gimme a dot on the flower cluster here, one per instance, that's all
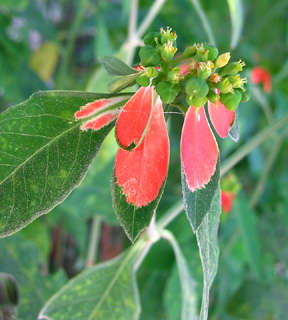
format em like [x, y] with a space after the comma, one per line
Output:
[187, 82]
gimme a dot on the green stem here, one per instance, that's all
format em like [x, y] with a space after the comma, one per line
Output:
[94, 241]
[66, 57]
[269, 165]
[253, 143]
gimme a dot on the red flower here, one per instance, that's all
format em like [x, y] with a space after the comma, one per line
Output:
[261, 75]
[199, 150]
[226, 200]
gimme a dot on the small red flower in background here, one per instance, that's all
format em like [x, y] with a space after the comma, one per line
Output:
[262, 75]
[229, 190]
[226, 201]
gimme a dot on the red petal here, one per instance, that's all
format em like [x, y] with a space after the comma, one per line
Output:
[134, 117]
[226, 201]
[97, 106]
[199, 150]
[221, 118]
[143, 170]
[101, 120]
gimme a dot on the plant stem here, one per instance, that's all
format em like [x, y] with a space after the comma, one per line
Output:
[131, 32]
[204, 21]
[253, 143]
[269, 165]
[93, 241]
[66, 57]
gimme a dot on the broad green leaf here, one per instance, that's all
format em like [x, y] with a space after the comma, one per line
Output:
[133, 219]
[189, 301]
[21, 259]
[43, 155]
[247, 223]
[237, 18]
[122, 83]
[198, 203]
[234, 132]
[209, 250]
[117, 67]
[106, 291]
[103, 41]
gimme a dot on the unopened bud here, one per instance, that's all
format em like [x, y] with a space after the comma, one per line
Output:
[213, 96]
[237, 82]
[194, 101]
[189, 52]
[205, 69]
[213, 51]
[197, 87]
[222, 60]
[246, 95]
[151, 72]
[232, 68]
[202, 54]
[149, 39]
[149, 57]
[224, 86]
[231, 100]
[143, 81]
[167, 91]
[168, 51]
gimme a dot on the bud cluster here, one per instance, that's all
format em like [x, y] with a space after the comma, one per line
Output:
[209, 76]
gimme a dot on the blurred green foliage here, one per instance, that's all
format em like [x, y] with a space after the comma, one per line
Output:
[252, 281]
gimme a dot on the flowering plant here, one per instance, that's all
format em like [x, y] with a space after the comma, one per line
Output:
[187, 82]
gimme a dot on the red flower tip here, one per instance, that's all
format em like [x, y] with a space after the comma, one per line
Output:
[101, 120]
[261, 75]
[199, 150]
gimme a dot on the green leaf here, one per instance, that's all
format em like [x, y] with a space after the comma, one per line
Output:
[209, 250]
[189, 301]
[237, 18]
[14, 4]
[198, 203]
[43, 155]
[132, 219]
[106, 291]
[234, 132]
[122, 83]
[21, 259]
[117, 67]
[247, 222]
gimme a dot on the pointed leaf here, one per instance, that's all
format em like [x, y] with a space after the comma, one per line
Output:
[188, 285]
[209, 249]
[234, 132]
[122, 83]
[43, 155]
[221, 118]
[134, 118]
[116, 67]
[139, 176]
[106, 291]
[199, 150]
[198, 203]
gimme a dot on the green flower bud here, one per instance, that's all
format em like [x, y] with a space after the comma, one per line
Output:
[174, 75]
[149, 39]
[168, 51]
[149, 57]
[143, 81]
[189, 52]
[213, 51]
[205, 69]
[222, 60]
[231, 100]
[166, 36]
[237, 82]
[213, 96]
[202, 54]
[167, 91]
[151, 72]
[224, 86]
[197, 87]
[246, 95]
[232, 68]
[194, 101]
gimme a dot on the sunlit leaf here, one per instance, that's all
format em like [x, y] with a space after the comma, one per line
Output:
[106, 291]
[43, 155]
[122, 83]
[209, 250]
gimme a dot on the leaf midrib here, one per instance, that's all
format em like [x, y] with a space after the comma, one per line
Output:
[39, 150]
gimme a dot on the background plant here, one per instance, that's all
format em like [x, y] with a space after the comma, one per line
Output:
[252, 241]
